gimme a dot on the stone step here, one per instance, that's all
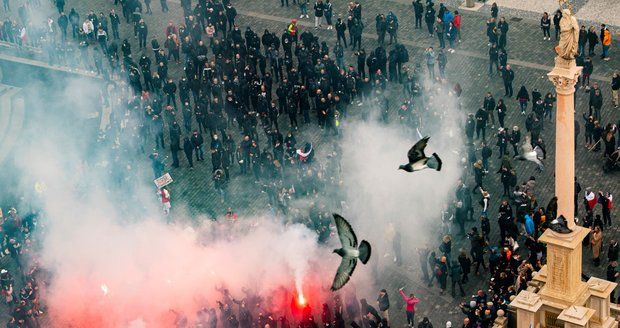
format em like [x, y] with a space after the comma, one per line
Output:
[16, 122]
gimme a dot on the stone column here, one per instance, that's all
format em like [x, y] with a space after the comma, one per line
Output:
[599, 301]
[564, 76]
[576, 316]
[527, 305]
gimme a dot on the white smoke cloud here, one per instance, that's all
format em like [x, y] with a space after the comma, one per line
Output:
[111, 268]
[382, 199]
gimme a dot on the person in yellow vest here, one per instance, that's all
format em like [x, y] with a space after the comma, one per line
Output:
[606, 40]
[292, 30]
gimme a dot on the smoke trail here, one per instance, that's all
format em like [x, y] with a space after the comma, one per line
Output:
[382, 200]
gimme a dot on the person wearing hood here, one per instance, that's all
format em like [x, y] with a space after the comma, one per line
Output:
[425, 323]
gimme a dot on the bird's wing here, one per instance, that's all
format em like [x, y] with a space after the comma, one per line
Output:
[526, 147]
[345, 232]
[417, 151]
[345, 270]
[539, 152]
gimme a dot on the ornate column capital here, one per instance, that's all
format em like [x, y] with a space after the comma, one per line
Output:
[564, 75]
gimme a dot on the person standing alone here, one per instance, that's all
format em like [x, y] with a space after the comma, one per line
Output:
[319, 10]
[411, 301]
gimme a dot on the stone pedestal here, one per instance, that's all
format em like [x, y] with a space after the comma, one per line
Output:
[527, 305]
[564, 76]
[501, 321]
[540, 276]
[576, 316]
[563, 283]
[599, 301]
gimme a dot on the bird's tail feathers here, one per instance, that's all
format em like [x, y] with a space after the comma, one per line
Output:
[434, 162]
[365, 251]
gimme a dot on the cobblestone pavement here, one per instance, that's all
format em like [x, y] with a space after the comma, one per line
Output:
[531, 58]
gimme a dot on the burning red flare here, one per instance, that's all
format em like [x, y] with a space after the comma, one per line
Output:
[301, 299]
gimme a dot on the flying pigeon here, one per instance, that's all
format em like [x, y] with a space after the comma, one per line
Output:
[349, 252]
[531, 154]
[418, 161]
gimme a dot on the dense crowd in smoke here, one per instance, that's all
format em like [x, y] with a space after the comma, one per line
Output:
[109, 260]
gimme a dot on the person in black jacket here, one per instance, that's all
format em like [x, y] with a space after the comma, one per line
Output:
[319, 10]
[356, 31]
[489, 106]
[583, 39]
[361, 62]
[493, 59]
[429, 17]
[369, 313]
[115, 21]
[197, 142]
[381, 26]
[508, 76]
[556, 23]
[592, 41]
[63, 23]
[340, 28]
[74, 19]
[164, 6]
[136, 18]
[143, 32]
[470, 127]
[456, 273]
[596, 102]
[615, 87]
[481, 123]
[545, 25]
[587, 71]
[188, 150]
[418, 10]
[384, 305]
[170, 90]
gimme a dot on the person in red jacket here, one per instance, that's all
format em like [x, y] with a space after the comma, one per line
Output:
[457, 23]
[411, 302]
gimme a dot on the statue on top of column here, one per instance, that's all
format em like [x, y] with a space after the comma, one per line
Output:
[569, 33]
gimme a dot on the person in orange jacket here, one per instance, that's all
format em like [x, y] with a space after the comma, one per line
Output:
[606, 40]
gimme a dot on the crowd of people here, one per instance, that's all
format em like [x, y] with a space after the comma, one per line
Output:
[244, 96]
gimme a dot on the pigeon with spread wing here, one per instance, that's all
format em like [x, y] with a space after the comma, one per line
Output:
[349, 252]
[532, 154]
[418, 161]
